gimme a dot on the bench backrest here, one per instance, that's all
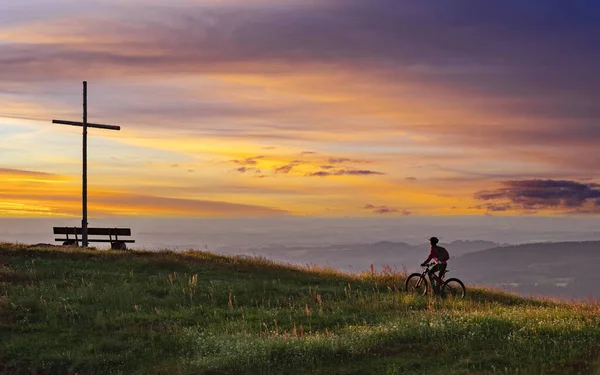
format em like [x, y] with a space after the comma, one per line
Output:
[94, 231]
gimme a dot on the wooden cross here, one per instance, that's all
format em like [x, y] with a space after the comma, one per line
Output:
[85, 125]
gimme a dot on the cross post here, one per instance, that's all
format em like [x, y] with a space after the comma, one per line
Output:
[85, 125]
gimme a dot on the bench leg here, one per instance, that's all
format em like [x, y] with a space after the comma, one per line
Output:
[70, 243]
[118, 245]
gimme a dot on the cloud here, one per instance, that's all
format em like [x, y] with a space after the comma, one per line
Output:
[510, 88]
[285, 169]
[532, 80]
[332, 160]
[345, 172]
[31, 193]
[493, 207]
[11, 176]
[383, 210]
[540, 194]
[247, 169]
[22, 172]
[184, 207]
[319, 174]
[308, 153]
[248, 161]
[410, 178]
[338, 160]
[357, 172]
[380, 209]
[66, 202]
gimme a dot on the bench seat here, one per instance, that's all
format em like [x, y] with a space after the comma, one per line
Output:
[93, 240]
[112, 233]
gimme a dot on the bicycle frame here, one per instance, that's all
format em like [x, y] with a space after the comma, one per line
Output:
[426, 272]
[425, 275]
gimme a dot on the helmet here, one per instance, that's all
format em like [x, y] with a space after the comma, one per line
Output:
[434, 240]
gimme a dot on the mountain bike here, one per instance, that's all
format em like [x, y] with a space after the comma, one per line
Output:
[417, 283]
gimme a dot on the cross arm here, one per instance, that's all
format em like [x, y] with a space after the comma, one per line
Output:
[90, 125]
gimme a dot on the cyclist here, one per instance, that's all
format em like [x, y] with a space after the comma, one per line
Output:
[440, 256]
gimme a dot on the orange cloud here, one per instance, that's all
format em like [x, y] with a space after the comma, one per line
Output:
[26, 193]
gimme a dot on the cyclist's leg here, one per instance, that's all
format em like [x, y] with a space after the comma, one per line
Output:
[433, 276]
[443, 267]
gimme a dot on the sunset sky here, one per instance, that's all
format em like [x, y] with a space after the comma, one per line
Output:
[326, 108]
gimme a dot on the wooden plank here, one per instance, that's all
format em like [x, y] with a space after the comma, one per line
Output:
[95, 240]
[66, 230]
[94, 231]
[109, 231]
[89, 125]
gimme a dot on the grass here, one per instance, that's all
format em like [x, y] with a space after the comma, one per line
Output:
[74, 311]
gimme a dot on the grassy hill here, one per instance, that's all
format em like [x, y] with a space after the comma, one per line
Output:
[68, 311]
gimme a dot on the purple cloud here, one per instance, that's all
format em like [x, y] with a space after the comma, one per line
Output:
[285, 168]
[248, 161]
[532, 66]
[539, 194]
[356, 172]
[492, 207]
[345, 160]
[345, 172]
[247, 169]
[319, 174]
[338, 160]
[383, 210]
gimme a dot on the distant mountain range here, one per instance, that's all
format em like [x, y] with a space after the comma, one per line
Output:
[562, 269]
[359, 257]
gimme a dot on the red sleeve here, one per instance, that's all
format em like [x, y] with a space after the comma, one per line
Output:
[431, 255]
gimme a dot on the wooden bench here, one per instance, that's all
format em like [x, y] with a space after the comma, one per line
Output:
[113, 236]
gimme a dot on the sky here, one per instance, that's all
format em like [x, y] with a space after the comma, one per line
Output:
[319, 108]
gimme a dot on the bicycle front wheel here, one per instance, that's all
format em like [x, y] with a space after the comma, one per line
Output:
[417, 284]
[454, 288]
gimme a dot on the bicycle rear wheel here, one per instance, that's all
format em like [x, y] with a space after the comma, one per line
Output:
[454, 288]
[417, 284]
